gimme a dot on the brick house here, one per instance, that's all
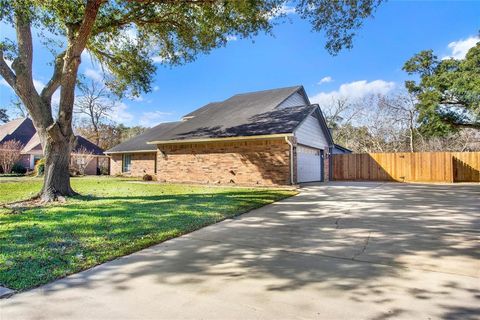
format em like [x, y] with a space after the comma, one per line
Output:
[23, 130]
[271, 137]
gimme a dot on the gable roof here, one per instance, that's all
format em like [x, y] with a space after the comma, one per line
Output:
[20, 129]
[34, 145]
[339, 147]
[23, 130]
[242, 115]
[139, 143]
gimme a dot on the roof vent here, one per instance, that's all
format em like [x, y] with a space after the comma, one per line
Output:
[187, 118]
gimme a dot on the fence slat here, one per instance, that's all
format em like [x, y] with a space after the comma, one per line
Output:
[408, 167]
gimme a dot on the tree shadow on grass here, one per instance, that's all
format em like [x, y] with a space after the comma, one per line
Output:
[45, 243]
[390, 246]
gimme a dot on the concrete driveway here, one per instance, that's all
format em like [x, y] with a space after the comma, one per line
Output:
[336, 251]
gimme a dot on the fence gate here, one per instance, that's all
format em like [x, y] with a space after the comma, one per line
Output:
[408, 166]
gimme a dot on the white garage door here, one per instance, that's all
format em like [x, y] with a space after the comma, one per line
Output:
[309, 164]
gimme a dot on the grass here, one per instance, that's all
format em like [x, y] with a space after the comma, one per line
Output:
[113, 217]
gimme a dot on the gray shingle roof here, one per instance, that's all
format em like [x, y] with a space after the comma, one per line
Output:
[242, 115]
[139, 143]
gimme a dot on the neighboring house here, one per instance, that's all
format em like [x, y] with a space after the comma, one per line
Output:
[22, 130]
[271, 137]
[338, 149]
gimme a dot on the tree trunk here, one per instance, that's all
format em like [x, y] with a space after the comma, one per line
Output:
[56, 135]
[57, 164]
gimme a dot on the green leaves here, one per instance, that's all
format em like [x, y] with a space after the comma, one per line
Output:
[127, 35]
[448, 91]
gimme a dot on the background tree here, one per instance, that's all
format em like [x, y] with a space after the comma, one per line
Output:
[96, 104]
[17, 107]
[402, 107]
[388, 123]
[10, 153]
[4, 116]
[448, 92]
[122, 36]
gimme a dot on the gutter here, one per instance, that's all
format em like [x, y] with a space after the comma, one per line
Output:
[245, 138]
[135, 151]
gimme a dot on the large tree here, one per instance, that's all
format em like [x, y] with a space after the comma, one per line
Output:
[448, 91]
[123, 35]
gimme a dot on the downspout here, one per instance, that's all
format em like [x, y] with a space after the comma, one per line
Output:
[291, 158]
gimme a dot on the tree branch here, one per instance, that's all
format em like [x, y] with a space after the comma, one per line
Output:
[55, 81]
[22, 65]
[6, 72]
[77, 40]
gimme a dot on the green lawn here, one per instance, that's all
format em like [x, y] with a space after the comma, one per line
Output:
[113, 217]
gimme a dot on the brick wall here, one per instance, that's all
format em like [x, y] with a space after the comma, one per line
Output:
[259, 162]
[326, 166]
[91, 168]
[141, 163]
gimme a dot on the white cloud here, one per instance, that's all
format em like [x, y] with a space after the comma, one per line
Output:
[281, 11]
[95, 75]
[156, 88]
[121, 115]
[354, 90]
[232, 38]
[152, 118]
[158, 59]
[460, 48]
[325, 80]
[39, 85]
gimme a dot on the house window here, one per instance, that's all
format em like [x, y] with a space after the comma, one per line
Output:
[127, 163]
[155, 164]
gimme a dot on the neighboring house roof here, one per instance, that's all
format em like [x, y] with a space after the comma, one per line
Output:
[22, 129]
[243, 115]
[34, 146]
[88, 145]
[343, 149]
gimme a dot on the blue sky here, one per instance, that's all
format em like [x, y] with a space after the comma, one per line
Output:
[296, 55]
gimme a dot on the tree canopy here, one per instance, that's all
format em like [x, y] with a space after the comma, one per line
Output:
[448, 91]
[124, 37]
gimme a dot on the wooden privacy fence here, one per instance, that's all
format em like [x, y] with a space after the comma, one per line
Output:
[408, 166]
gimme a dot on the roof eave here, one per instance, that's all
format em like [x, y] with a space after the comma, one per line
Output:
[130, 151]
[240, 138]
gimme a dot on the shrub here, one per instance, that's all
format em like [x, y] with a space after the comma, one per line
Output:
[40, 167]
[103, 170]
[147, 177]
[19, 169]
[75, 172]
[10, 153]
